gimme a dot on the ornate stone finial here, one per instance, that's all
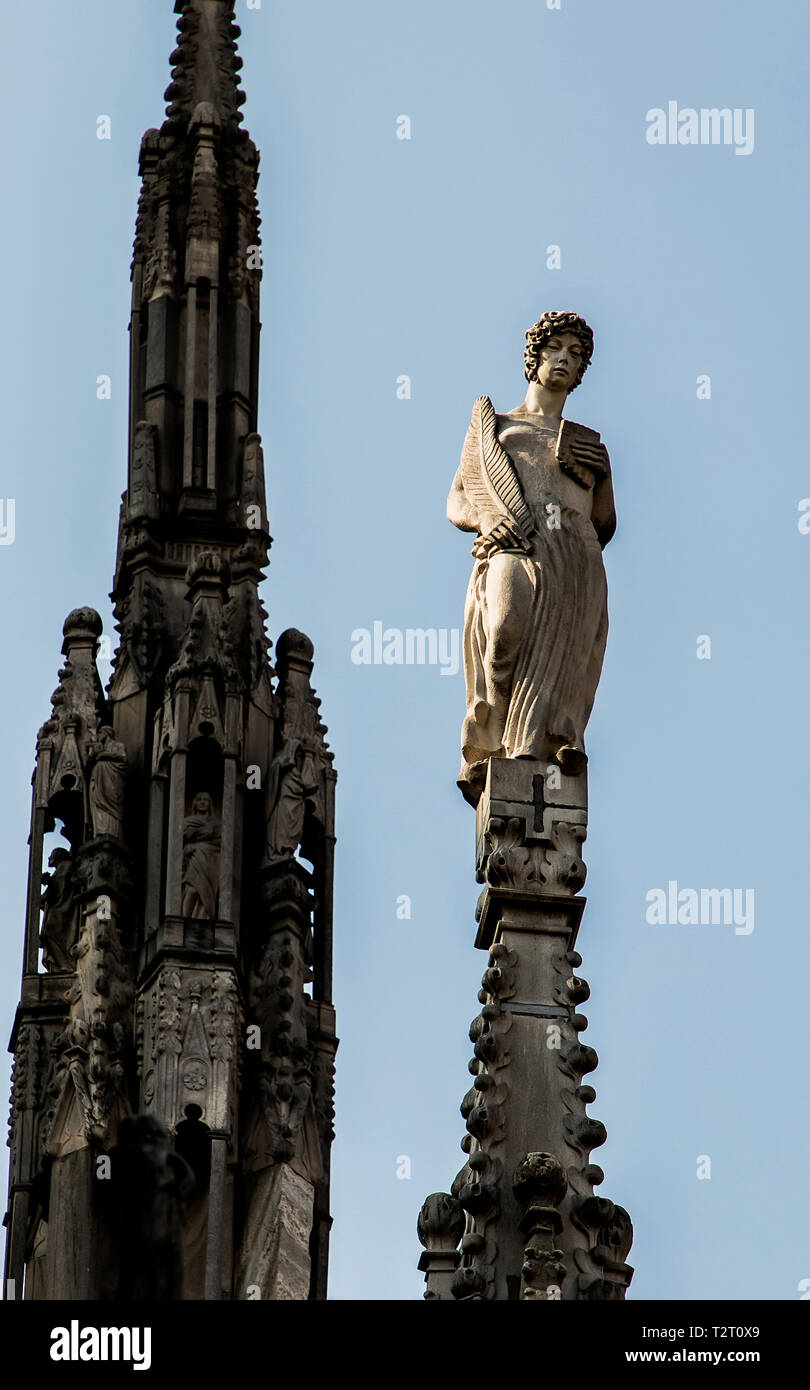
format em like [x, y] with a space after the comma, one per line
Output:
[294, 644]
[78, 709]
[440, 1224]
[440, 1227]
[81, 627]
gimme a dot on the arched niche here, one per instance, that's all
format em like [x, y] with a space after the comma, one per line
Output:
[204, 771]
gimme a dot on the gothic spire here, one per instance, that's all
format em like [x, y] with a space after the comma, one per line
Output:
[181, 920]
[205, 64]
[195, 473]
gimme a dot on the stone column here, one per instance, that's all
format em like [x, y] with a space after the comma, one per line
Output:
[533, 1222]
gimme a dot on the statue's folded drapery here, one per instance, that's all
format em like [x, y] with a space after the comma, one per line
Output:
[524, 696]
[201, 848]
[107, 786]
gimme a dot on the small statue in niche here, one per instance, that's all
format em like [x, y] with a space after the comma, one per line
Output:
[58, 931]
[202, 838]
[537, 491]
[293, 781]
[107, 784]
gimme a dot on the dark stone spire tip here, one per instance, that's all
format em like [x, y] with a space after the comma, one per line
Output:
[205, 64]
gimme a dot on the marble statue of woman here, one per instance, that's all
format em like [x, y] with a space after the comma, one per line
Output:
[293, 781]
[201, 846]
[58, 932]
[537, 491]
[107, 782]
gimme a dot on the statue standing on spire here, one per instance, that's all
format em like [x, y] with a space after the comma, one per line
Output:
[536, 490]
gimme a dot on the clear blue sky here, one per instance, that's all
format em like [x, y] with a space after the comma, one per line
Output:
[428, 257]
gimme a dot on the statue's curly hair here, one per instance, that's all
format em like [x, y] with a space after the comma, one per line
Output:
[549, 324]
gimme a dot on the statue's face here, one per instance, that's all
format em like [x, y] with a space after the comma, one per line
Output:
[202, 804]
[560, 361]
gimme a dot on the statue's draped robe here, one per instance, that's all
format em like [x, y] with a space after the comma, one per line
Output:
[59, 922]
[107, 789]
[293, 780]
[201, 846]
[535, 625]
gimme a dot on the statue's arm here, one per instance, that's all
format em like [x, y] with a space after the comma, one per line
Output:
[603, 510]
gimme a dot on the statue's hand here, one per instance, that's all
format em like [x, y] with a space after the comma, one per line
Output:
[588, 462]
[504, 536]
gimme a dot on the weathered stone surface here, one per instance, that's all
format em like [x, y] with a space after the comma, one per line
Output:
[59, 926]
[72, 1251]
[440, 1228]
[275, 1261]
[201, 848]
[299, 789]
[540, 1184]
[529, 1137]
[107, 781]
[186, 793]
[536, 490]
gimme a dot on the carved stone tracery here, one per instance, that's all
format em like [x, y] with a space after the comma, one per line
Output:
[190, 1024]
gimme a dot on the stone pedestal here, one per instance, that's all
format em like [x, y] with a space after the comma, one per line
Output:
[534, 1228]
